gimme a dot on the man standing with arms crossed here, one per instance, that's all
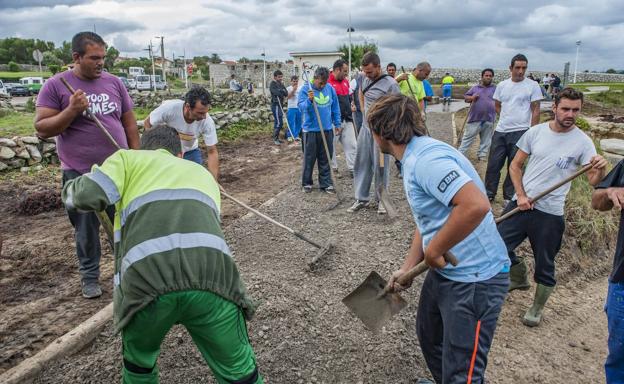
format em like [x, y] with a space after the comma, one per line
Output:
[458, 306]
[80, 143]
[554, 150]
[346, 133]
[190, 118]
[374, 86]
[517, 102]
[482, 114]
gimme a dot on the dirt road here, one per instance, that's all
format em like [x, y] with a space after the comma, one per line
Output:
[303, 333]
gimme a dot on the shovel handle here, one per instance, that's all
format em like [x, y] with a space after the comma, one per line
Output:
[546, 192]
[422, 267]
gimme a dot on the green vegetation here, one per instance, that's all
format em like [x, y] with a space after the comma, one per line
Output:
[13, 67]
[609, 99]
[589, 226]
[583, 86]
[13, 77]
[243, 130]
[357, 52]
[583, 124]
[141, 113]
[17, 124]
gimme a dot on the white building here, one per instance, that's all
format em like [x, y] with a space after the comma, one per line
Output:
[313, 60]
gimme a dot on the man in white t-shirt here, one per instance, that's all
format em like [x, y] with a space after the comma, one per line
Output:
[190, 118]
[555, 150]
[517, 102]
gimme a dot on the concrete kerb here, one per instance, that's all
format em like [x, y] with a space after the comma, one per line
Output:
[78, 338]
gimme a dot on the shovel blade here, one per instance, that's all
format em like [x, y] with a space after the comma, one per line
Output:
[370, 306]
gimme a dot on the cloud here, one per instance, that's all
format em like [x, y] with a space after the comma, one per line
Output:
[448, 33]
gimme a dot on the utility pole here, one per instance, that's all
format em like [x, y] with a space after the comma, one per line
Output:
[263, 72]
[185, 71]
[152, 82]
[578, 45]
[162, 56]
[350, 29]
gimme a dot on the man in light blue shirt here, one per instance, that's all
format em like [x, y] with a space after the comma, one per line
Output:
[459, 306]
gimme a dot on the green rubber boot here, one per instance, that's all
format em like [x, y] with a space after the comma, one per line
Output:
[533, 316]
[519, 277]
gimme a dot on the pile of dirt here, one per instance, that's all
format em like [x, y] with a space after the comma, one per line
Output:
[35, 202]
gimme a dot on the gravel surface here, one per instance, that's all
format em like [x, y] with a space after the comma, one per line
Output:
[302, 333]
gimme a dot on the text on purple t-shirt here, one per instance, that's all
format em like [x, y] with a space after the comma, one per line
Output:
[83, 144]
[483, 109]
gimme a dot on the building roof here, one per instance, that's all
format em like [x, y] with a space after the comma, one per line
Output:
[316, 53]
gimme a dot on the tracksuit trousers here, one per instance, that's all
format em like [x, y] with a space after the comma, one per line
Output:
[278, 120]
[503, 148]
[614, 307]
[216, 325]
[313, 151]
[87, 236]
[545, 232]
[455, 325]
[367, 165]
[349, 145]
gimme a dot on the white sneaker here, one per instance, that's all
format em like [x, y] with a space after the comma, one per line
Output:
[358, 205]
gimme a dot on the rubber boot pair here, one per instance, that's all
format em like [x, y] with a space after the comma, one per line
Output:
[533, 316]
[519, 277]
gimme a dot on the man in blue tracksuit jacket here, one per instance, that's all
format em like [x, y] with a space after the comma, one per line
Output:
[326, 100]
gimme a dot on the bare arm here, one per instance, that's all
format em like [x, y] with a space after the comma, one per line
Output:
[128, 120]
[470, 206]
[515, 172]
[606, 199]
[361, 96]
[52, 122]
[212, 162]
[497, 105]
[147, 124]
[535, 111]
[291, 93]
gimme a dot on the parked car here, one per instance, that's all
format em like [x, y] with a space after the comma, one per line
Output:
[132, 83]
[143, 83]
[3, 89]
[20, 90]
[125, 82]
[8, 86]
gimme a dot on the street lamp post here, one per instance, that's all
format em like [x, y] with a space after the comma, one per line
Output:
[162, 57]
[263, 72]
[578, 46]
[349, 30]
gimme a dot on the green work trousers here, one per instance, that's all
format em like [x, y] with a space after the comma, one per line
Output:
[216, 325]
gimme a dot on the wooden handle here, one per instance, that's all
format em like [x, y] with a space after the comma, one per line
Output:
[382, 162]
[92, 116]
[547, 191]
[422, 267]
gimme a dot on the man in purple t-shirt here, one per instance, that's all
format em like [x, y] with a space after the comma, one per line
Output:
[482, 114]
[80, 143]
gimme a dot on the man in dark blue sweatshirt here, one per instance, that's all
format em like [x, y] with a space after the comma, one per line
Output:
[278, 93]
[324, 96]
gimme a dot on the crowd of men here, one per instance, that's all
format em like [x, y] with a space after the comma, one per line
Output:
[173, 265]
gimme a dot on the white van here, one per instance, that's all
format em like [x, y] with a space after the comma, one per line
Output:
[135, 71]
[33, 84]
[3, 89]
[143, 83]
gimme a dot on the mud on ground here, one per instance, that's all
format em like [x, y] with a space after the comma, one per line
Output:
[302, 333]
[39, 280]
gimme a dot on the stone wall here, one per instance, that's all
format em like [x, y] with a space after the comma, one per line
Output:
[474, 75]
[24, 67]
[221, 74]
[26, 152]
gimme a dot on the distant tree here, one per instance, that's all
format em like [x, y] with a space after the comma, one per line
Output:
[611, 70]
[244, 60]
[49, 58]
[111, 55]
[357, 52]
[54, 68]
[64, 52]
[13, 66]
[215, 59]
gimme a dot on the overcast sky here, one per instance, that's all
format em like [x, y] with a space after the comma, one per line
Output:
[447, 33]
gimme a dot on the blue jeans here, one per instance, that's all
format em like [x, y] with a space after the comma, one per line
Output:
[614, 366]
[484, 130]
[294, 122]
[194, 155]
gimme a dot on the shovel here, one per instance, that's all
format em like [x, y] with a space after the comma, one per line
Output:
[381, 189]
[322, 249]
[374, 304]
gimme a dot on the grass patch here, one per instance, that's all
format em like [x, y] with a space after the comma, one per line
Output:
[583, 124]
[583, 86]
[609, 99]
[141, 113]
[15, 76]
[590, 227]
[17, 124]
[243, 130]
